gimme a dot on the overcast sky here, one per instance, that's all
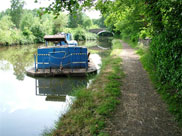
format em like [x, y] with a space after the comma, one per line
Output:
[29, 4]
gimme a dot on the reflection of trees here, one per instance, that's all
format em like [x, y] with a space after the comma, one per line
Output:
[4, 65]
[20, 57]
[18, 67]
[105, 41]
[102, 41]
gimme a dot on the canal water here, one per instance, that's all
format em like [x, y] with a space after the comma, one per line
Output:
[29, 106]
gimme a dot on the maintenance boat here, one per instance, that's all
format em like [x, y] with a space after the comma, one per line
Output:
[65, 58]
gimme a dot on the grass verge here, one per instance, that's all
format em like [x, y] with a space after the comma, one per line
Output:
[87, 116]
[167, 92]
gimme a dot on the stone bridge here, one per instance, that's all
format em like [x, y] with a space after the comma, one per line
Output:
[101, 32]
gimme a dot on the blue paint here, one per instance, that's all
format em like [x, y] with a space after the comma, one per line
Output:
[65, 56]
[68, 37]
[69, 57]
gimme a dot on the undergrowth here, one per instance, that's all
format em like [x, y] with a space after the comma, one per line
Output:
[87, 116]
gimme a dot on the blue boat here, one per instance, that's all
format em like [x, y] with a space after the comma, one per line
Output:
[64, 58]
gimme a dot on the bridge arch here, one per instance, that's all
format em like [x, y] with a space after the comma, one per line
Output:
[105, 33]
[101, 32]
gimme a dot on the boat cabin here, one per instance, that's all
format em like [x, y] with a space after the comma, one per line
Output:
[61, 39]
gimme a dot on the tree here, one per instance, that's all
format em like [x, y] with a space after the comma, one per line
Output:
[6, 27]
[60, 23]
[99, 22]
[27, 20]
[75, 19]
[8, 33]
[4, 13]
[87, 22]
[16, 11]
[67, 5]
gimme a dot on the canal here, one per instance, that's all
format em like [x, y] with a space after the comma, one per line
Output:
[29, 106]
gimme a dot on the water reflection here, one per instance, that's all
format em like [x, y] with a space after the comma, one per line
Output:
[103, 42]
[20, 57]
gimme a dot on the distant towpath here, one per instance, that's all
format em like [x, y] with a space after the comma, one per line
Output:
[141, 112]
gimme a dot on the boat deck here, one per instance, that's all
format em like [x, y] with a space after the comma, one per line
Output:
[64, 72]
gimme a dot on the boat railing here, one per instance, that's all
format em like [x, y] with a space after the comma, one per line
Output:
[61, 66]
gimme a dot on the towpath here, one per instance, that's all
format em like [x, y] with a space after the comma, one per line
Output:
[141, 112]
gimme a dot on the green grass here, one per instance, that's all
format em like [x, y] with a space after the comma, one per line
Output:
[93, 106]
[116, 48]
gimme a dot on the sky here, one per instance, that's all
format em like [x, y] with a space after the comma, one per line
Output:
[29, 4]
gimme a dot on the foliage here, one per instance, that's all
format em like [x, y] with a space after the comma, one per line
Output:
[90, 36]
[99, 22]
[32, 28]
[71, 5]
[4, 13]
[165, 49]
[87, 22]
[79, 34]
[8, 33]
[125, 17]
[27, 20]
[116, 46]
[16, 11]
[60, 23]
[75, 19]
[169, 94]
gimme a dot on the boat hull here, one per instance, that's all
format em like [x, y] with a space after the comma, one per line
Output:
[63, 72]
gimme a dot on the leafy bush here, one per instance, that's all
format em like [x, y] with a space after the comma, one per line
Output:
[167, 60]
[81, 34]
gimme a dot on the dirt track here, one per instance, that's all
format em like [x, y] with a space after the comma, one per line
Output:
[141, 112]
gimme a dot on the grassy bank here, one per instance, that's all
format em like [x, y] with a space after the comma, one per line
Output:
[168, 92]
[87, 116]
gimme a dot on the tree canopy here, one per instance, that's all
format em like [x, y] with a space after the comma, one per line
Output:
[16, 11]
[67, 5]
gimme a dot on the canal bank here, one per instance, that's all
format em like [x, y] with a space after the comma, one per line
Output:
[94, 105]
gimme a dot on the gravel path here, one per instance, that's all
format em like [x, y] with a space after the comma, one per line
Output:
[141, 112]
